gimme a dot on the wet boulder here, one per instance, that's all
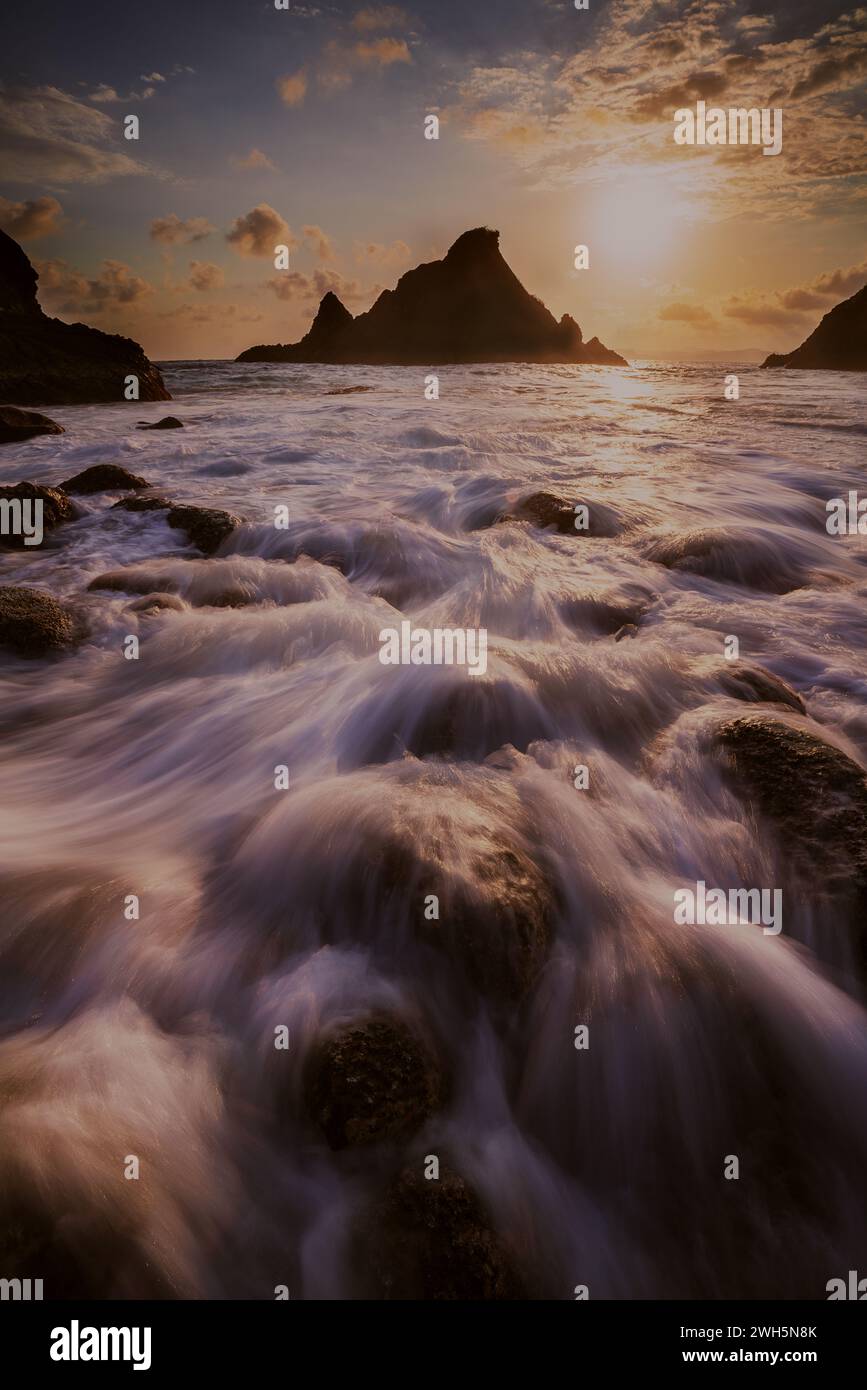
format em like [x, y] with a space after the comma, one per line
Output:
[56, 509]
[16, 425]
[748, 558]
[142, 504]
[33, 623]
[104, 477]
[544, 509]
[813, 793]
[431, 1239]
[754, 683]
[206, 527]
[370, 1081]
[168, 422]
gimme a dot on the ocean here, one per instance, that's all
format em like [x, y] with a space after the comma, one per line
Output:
[302, 906]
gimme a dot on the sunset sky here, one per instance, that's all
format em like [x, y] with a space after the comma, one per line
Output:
[306, 126]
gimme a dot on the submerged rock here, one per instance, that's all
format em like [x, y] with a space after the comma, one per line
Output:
[56, 509]
[16, 425]
[33, 623]
[45, 361]
[757, 684]
[545, 509]
[142, 504]
[433, 1240]
[370, 1081]
[104, 477]
[206, 527]
[744, 558]
[168, 422]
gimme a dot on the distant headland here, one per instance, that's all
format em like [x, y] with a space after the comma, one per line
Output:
[839, 344]
[468, 307]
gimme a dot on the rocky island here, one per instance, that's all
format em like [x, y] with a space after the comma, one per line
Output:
[468, 307]
[839, 344]
[44, 361]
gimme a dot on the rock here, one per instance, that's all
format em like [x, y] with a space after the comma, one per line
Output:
[56, 509]
[142, 504]
[627, 630]
[206, 527]
[151, 603]
[433, 1240]
[839, 344]
[45, 361]
[135, 580]
[544, 509]
[468, 307]
[168, 422]
[755, 683]
[17, 424]
[371, 1081]
[744, 557]
[104, 477]
[33, 623]
[813, 793]
[496, 919]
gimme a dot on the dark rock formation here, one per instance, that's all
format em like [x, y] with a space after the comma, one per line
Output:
[370, 1081]
[206, 527]
[839, 344]
[815, 797]
[16, 425]
[168, 422]
[56, 509]
[45, 361]
[33, 623]
[431, 1239]
[468, 307]
[747, 557]
[104, 477]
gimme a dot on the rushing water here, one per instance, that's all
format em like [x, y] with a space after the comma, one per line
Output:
[304, 907]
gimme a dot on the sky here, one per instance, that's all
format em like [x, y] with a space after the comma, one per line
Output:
[305, 127]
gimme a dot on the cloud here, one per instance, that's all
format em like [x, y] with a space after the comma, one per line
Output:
[375, 253]
[341, 61]
[172, 229]
[34, 218]
[319, 241]
[205, 275]
[104, 93]
[294, 285]
[838, 71]
[798, 304]
[259, 231]
[383, 52]
[380, 17]
[292, 88]
[152, 77]
[69, 291]
[49, 138]
[694, 314]
[256, 159]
